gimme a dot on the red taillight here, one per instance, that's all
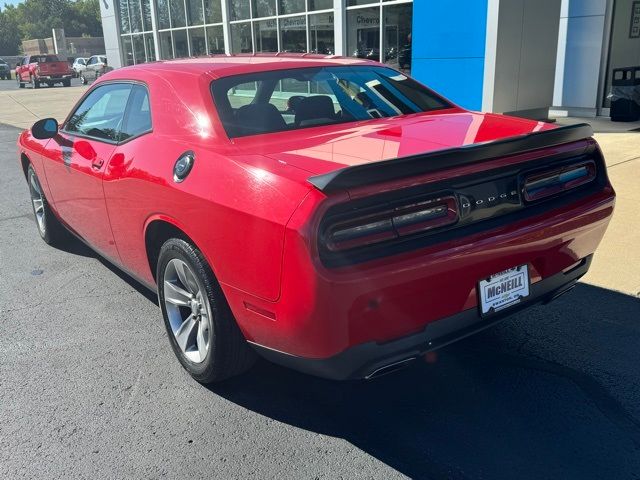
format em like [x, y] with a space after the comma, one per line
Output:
[392, 224]
[545, 184]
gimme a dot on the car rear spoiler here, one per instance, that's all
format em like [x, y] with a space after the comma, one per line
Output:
[387, 170]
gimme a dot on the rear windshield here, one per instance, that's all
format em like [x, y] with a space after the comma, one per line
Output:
[44, 59]
[281, 100]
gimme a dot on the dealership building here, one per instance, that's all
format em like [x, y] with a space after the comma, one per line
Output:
[508, 56]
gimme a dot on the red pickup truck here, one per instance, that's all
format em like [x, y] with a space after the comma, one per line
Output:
[39, 69]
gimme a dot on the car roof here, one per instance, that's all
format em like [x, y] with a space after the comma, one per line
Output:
[224, 65]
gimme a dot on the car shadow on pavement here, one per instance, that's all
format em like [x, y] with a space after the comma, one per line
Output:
[522, 400]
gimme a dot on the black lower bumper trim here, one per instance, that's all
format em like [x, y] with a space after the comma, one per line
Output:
[361, 361]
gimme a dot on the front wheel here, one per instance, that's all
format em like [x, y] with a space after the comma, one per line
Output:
[201, 328]
[83, 79]
[34, 82]
[49, 227]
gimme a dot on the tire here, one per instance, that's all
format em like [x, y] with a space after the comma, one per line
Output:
[213, 347]
[34, 82]
[83, 79]
[49, 227]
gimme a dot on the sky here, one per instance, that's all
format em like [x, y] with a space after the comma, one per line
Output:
[9, 2]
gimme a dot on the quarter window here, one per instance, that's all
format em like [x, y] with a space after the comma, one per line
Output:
[138, 115]
[100, 115]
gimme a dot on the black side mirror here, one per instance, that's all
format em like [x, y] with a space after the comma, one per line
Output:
[45, 128]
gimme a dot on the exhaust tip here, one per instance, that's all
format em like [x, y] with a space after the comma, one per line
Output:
[392, 367]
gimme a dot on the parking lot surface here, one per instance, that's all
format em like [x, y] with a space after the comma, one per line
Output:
[89, 386]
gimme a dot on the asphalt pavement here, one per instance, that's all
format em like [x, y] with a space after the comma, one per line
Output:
[89, 387]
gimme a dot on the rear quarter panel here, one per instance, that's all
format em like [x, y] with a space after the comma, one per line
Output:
[234, 208]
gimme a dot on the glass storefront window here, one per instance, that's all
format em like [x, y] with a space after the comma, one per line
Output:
[320, 4]
[195, 14]
[146, 15]
[215, 39]
[212, 11]
[241, 38]
[127, 50]
[266, 34]
[163, 14]
[197, 42]
[293, 34]
[180, 47]
[178, 18]
[263, 8]
[397, 35]
[123, 16]
[151, 47]
[363, 33]
[291, 6]
[135, 16]
[166, 46]
[239, 9]
[138, 49]
[351, 3]
[321, 34]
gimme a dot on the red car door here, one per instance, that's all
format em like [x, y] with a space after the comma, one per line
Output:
[76, 161]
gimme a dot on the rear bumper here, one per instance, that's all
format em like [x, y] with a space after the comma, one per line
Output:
[370, 359]
[54, 78]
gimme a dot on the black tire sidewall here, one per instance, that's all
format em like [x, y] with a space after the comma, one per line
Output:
[46, 235]
[182, 250]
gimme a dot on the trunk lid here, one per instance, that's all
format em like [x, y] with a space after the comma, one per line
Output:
[323, 150]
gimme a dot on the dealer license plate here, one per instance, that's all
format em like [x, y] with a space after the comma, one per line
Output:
[503, 289]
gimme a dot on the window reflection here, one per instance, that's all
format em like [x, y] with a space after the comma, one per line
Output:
[162, 11]
[178, 18]
[291, 6]
[215, 39]
[197, 42]
[266, 35]
[293, 31]
[241, 38]
[212, 11]
[263, 8]
[363, 33]
[397, 36]
[195, 14]
[239, 9]
[180, 47]
[321, 33]
[166, 47]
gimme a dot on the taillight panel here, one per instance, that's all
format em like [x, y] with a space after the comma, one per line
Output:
[554, 181]
[392, 223]
[417, 216]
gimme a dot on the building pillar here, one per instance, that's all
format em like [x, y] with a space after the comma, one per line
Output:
[491, 55]
[339, 26]
[579, 61]
[111, 33]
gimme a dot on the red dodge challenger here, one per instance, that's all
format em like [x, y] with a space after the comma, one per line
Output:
[331, 214]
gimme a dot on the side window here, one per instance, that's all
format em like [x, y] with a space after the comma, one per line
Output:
[138, 116]
[100, 114]
[242, 94]
[92, 60]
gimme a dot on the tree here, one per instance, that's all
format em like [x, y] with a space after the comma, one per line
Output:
[36, 18]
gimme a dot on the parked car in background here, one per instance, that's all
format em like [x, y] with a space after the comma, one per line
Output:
[5, 70]
[79, 65]
[95, 66]
[344, 232]
[39, 69]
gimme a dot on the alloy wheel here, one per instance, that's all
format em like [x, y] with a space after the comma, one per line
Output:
[188, 310]
[37, 199]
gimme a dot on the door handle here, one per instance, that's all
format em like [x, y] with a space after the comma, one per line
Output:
[97, 163]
